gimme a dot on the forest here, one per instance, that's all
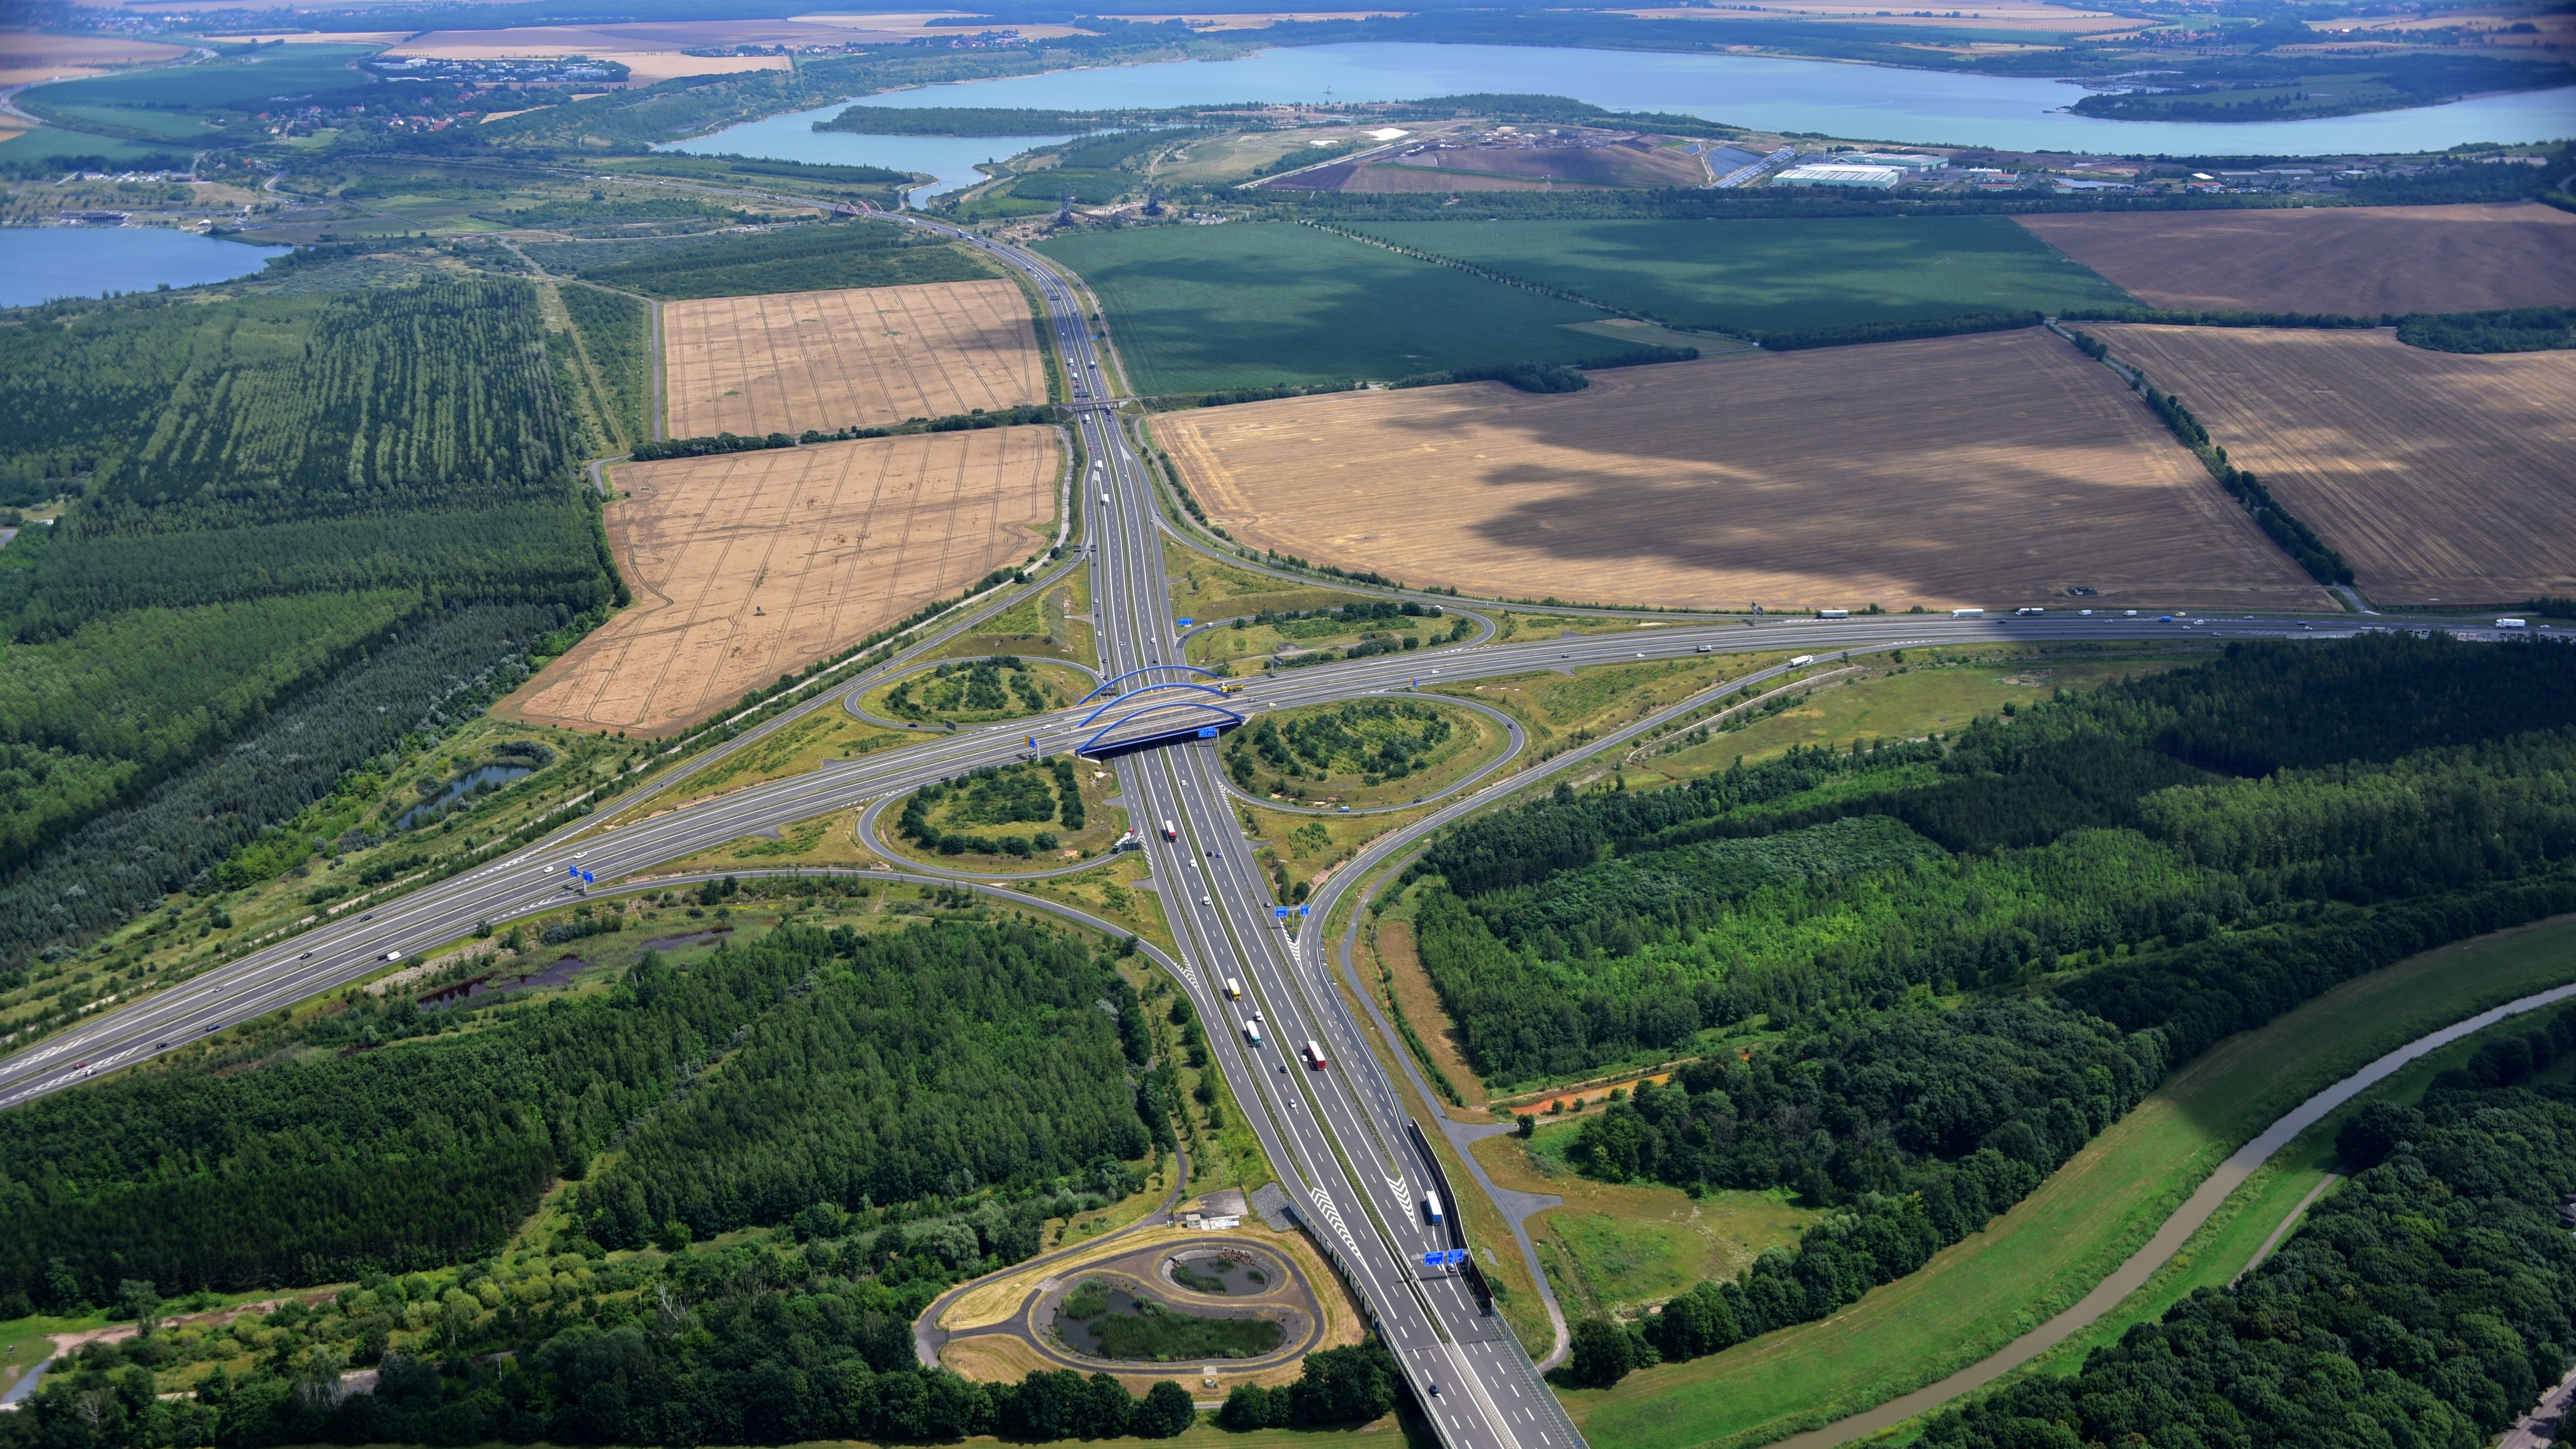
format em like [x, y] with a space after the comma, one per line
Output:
[885, 1071]
[2109, 883]
[263, 494]
[809, 258]
[2429, 1300]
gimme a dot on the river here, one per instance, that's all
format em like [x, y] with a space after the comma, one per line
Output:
[1860, 102]
[41, 263]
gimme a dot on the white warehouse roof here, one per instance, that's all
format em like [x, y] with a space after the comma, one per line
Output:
[1878, 176]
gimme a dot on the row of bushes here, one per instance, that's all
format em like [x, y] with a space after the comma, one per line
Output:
[1026, 414]
[2296, 539]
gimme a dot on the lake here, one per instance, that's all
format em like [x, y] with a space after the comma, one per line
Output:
[40, 263]
[1877, 103]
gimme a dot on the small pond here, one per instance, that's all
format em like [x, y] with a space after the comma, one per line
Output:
[1105, 1320]
[1219, 1273]
[428, 811]
[560, 973]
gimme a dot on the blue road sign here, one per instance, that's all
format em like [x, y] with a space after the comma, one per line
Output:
[1279, 913]
[1184, 623]
[1434, 1260]
[574, 871]
[588, 879]
[1301, 910]
[1207, 732]
[1457, 1256]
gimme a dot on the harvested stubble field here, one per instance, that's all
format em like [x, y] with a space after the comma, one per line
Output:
[747, 566]
[1995, 469]
[2360, 261]
[862, 357]
[2439, 476]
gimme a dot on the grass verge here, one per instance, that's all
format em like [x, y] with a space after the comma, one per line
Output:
[2056, 1244]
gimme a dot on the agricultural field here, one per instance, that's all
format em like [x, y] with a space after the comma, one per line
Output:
[2441, 477]
[2052, 1247]
[1270, 304]
[861, 357]
[27, 56]
[747, 566]
[1758, 277]
[813, 257]
[2361, 261]
[1790, 480]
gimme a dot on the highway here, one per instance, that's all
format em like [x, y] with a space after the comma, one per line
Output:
[1337, 1134]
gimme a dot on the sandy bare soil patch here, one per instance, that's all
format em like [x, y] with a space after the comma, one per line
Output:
[747, 566]
[2360, 260]
[1990, 470]
[864, 357]
[2439, 477]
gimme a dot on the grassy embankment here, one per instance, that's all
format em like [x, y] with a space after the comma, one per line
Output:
[1926, 692]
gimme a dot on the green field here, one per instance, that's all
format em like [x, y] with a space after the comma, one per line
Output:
[305, 72]
[1775, 275]
[1262, 305]
[2102, 1205]
[51, 146]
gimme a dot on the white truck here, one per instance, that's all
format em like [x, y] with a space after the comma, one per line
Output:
[1252, 1032]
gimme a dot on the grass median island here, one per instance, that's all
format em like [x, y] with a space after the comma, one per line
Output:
[2066, 1236]
[1029, 814]
[1362, 754]
[1775, 275]
[979, 691]
[1196, 309]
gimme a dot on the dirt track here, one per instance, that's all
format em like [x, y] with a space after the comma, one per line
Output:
[747, 566]
[1999, 469]
[861, 357]
[2437, 476]
[2359, 261]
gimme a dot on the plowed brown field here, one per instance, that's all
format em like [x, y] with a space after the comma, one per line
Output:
[1989, 470]
[2360, 261]
[860, 358]
[746, 566]
[2438, 477]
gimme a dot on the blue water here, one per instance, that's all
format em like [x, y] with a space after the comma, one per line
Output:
[793, 138]
[428, 811]
[40, 263]
[1880, 103]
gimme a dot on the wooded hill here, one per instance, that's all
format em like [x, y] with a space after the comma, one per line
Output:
[264, 492]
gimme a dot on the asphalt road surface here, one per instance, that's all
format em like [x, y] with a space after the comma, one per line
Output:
[1335, 1130]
